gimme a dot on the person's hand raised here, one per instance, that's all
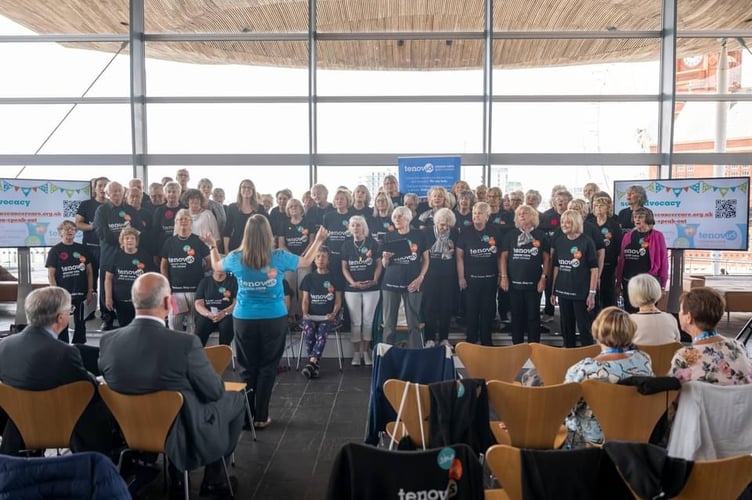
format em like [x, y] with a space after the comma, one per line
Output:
[322, 234]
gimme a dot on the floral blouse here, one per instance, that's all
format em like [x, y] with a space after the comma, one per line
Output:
[581, 423]
[723, 363]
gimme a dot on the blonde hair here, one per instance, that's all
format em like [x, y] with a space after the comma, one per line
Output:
[531, 213]
[258, 242]
[614, 328]
[129, 231]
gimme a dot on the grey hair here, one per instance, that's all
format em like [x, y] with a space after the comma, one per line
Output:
[644, 290]
[359, 219]
[152, 297]
[402, 211]
[44, 304]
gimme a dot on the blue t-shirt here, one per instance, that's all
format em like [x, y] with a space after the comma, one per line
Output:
[261, 294]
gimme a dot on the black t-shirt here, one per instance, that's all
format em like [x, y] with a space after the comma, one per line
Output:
[525, 262]
[87, 209]
[588, 229]
[366, 211]
[574, 258]
[278, 220]
[235, 224]
[217, 294]
[125, 268]
[336, 223]
[379, 226]
[636, 254]
[314, 216]
[611, 234]
[549, 222]
[185, 261]
[442, 265]
[625, 219]
[70, 263]
[481, 252]
[503, 218]
[164, 222]
[361, 261]
[321, 290]
[463, 221]
[296, 236]
[401, 271]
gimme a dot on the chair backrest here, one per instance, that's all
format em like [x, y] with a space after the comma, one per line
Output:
[145, 419]
[623, 413]
[722, 478]
[505, 463]
[493, 363]
[533, 415]
[220, 357]
[394, 390]
[552, 363]
[45, 419]
[661, 355]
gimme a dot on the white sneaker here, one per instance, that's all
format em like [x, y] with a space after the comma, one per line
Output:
[445, 342]
[546, 318]
[429, 343]
[367, 358]
[356, 359]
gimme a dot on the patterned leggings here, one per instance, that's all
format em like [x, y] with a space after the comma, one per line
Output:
[316, 333]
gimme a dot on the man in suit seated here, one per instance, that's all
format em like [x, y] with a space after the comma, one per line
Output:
[36, 360]
[145, 357]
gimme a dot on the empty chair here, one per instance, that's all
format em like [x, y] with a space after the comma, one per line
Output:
[412, 402]
[660, 355]
[552, 363]
[623, 413]
[493, 363]
[533, 416]
[45, 419]
[722, 478]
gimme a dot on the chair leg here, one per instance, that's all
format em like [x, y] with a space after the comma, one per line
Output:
[186, 492]
[289, 349]
[227, 476]
[250, 417]
[232, 359]
[300, 350]
[338, 338]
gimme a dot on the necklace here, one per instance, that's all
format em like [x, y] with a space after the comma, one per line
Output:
[704, 335]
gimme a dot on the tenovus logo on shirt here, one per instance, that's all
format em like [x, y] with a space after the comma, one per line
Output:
[525, 251]
[424, 494]
[269, 283]
[634, 252]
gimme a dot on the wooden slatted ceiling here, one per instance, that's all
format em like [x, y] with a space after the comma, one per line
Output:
[354, 16]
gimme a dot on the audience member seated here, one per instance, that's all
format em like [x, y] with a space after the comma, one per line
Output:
[712, 357]
[614, 330]
[36, 360]
[653, 326]
[210, 420]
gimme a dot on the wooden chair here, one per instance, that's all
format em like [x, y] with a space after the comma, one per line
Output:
[661, 355]
[146, 420]
[414, 418]
[722, 478]
[220, 357]
[45, 419]
[552, 363]
[493, 363]
[532, 416]
[505, 464]
[623, 413]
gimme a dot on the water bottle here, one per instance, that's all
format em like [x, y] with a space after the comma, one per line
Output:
[620, 302]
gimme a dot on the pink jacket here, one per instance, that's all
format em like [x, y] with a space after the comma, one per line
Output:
[658, 257]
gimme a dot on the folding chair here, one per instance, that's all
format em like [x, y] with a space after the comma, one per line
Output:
[491, 362]
[337, 338]
[46, 419]
[146, 420]
[722, 478]
[552, 363]
[219, 357]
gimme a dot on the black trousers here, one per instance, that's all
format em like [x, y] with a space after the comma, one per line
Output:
[79, 322]
[607, 291]
[480, 306]
[260, 344]
[439, 293]
[574, 314]
[204, 327]
[525, 308]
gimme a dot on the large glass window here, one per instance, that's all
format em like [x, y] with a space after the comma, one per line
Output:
[409, 128]
[228, 128]
[713, 126]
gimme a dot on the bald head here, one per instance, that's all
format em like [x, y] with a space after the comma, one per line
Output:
[149, 291]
